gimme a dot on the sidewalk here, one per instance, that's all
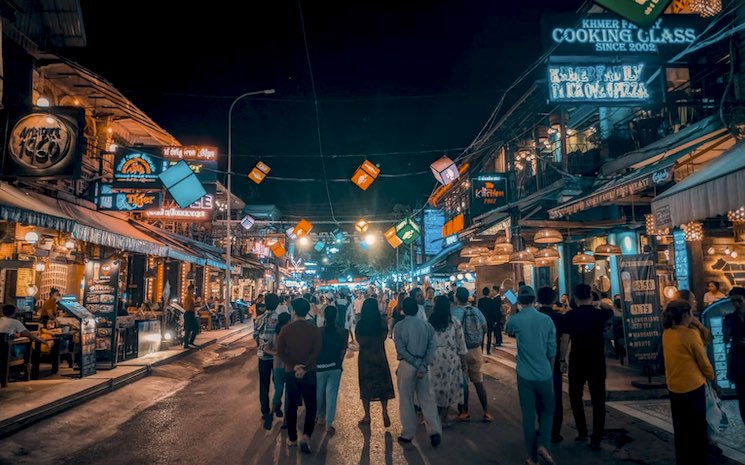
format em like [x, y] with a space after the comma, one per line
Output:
[23, 403]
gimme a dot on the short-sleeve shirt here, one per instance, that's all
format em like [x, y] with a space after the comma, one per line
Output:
[586, 327]
[536, 343]
[11, 325]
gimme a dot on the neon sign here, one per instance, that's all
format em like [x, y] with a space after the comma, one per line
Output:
[598, 83]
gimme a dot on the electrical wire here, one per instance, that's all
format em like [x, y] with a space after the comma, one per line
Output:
[352, 155]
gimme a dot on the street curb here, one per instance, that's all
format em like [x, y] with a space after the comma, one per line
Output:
[23, 420]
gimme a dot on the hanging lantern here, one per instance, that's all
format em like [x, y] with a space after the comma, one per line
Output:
[361, 226]
[737, 217]
[392, 238]
[365, 175]
[259, 172]
[503, 249]
[706, 8]
[496, 260]
[548, 254]
[32, 237]
[407, 231]
[693, 231]
[319, 246]
[548, 236]
[247, 222]
[543, 262]
[277, 249]
[607, 250]
[468, 252]
[583, 258]
[466, 267]
[478, 261]
[302, 228]
[444, 171]
[650, 225]
[522, 257]
[531, 250]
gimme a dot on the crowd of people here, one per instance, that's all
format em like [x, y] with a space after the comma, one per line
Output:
[440, 341]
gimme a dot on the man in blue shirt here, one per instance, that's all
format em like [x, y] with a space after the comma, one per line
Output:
[536, 349]
[415, 349]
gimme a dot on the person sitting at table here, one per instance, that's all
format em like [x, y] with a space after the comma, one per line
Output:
[10, 325]
[49, 307]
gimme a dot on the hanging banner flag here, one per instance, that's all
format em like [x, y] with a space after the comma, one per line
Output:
[407, 231]
[365, 175]
[640, 12]
[302, 228]
[445, 171]
[642, 318]
[392, 238]
[259, 172]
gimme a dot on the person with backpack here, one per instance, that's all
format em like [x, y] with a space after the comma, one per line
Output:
[474, 327]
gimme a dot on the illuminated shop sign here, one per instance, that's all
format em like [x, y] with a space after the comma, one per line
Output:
[201, 210]
[137, 169]
[488, 191]
[598, 34]
[191, 152]
[598, 83]
[130, 201]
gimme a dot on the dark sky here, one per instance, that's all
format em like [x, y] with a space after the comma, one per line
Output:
[391, 76]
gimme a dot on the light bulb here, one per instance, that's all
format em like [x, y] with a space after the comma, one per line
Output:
[31, 237]
[733, 254]
[370, 239]
[42, 102]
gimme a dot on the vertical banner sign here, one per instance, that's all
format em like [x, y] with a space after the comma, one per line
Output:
[642, 318]
[101, 299]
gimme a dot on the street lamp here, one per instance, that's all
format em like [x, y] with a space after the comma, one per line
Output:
[228, 246]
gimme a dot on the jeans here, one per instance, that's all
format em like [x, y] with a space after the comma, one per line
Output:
[690, 427]
[279, 387]
[581, 372]
[265, 379]
[298, 388]
[408, 386]
[536, 398]
[558, 403]
[191, 327]
[327, 388]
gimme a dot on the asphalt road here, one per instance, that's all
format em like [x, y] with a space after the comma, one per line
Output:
[204, 409]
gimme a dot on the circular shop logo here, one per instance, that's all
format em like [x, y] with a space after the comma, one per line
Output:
[40, 141]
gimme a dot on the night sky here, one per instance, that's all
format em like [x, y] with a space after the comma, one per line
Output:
[390, 77]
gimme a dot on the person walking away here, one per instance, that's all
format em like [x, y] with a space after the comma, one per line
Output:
[418, 295]
[374, 374]
[329, 369]
[474, 326]
[687, 368]
[429, 301]
[493, 314]
[398, 311]
[344, 313]
[713, 293]
[583, 328]
[278, 369]
[298, 346]
[734, 334]
[191, 325]
[536, 349]
[546, 297]
[449, 362]
[415, 349]
[264, 332]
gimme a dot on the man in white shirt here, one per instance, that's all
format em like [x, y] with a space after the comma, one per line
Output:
[10, 325]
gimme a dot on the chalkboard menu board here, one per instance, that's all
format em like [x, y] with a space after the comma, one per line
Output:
[642, 318]
[87, 346]
[101, 298]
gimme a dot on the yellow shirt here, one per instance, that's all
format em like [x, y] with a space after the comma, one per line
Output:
[686, 363]
[49, 308]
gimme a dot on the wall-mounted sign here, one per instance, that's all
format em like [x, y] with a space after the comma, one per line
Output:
[130, 201]
[191, 152]
[488, 191]
[603, 33]
[135, 169]
[44, 144]
[616, 84]
[641, 12]
[434, 220]
[201, 210]
[454, 226]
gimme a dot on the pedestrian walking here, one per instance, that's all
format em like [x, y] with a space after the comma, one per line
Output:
[191, 325]
[584, 329]
[546, 297]
[734, 334]
[278, 369]
[449, 363]
[329, 369]
[536, 349]
[415, 349]
[264, 332]
[493, 314]
[298, 346]
[687, 368]
[374, 373]
[474, 326]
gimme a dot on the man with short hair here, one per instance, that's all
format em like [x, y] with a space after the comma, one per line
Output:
[536, 349]
[493, 314]
[49, 307]
[264, 331]
[9, 325]
[415, 349]
[474, 326]
[734, 334]
[298, 346]
[546, 297]
[584, 328]
[418, 295]
[191, 325]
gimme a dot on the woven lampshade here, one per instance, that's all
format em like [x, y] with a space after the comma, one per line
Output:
[531, 249]
[522, 257]
[478, 261]
[503, 248]
[468, 252]
[548, 236]
[548, 254]
[497, 259]
[466, 267]
[583, 259]
[607, 250]
[543, 262]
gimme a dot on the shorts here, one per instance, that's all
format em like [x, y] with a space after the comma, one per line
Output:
[474, 360]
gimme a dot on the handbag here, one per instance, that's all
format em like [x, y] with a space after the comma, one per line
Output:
[716, 418]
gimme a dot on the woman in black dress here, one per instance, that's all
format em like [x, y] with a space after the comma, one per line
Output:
[374, 373]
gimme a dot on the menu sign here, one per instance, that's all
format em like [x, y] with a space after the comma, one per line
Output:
[101, 298]
[642, 318]
[87, 346]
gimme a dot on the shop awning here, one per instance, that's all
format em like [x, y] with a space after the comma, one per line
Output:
[82, 223]
[714, 190]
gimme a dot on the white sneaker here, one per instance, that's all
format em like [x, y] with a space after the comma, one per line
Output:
[546, 455]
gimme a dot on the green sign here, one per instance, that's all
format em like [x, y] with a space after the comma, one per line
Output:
[407, 231]
[643, 13]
